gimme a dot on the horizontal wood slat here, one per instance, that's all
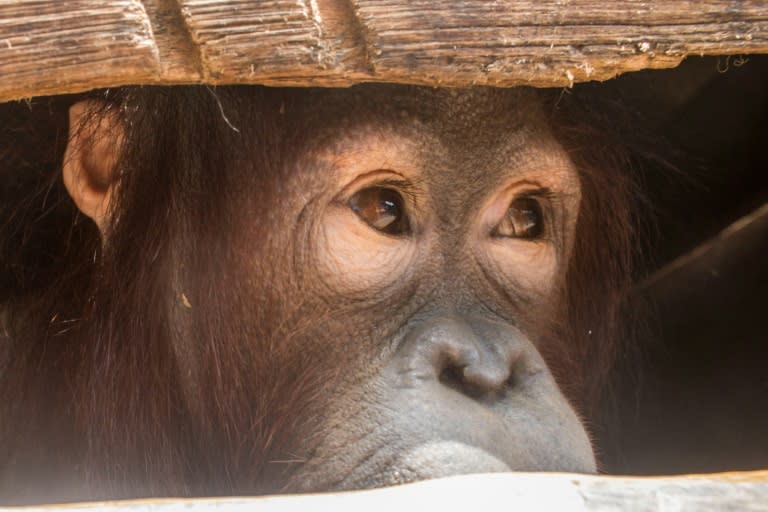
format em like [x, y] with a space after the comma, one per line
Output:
[52, 46]
[59, 46]
[519, 492]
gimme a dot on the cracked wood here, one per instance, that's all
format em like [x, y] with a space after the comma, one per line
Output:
[50, 46]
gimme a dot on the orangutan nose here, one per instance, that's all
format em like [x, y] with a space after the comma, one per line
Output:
[475, 358]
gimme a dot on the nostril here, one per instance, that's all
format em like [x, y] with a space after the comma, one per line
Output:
[512, 381]
[477, 362]
[451, 377]
[454, 377]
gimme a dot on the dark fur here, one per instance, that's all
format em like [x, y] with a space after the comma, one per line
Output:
[91, 393]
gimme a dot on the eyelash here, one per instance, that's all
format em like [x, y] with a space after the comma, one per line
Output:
[544, 193]
[411, 194]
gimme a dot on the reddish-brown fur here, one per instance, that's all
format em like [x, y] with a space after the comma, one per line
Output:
[91, 393]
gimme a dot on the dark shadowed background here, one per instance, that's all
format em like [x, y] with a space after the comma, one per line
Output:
[699, 399]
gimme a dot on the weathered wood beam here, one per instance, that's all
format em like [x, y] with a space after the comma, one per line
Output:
[501, 491]
[52, 46]
[707, 260]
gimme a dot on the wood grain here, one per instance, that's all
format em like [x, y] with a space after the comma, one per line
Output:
[52, 46]
[519, 492]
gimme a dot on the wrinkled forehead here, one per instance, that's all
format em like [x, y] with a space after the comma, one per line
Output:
[445, 111]
[470, 128]
[478, 107]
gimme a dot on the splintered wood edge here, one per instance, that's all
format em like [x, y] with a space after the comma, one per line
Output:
[742, 491]
[65, 47]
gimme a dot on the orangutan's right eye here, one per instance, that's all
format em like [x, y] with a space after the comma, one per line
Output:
[381, 208]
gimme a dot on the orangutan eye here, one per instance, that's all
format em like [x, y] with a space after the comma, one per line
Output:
[524, 219]
[381, 208]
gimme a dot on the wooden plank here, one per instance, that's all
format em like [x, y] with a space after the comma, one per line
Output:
[706, 260]
[242, 41]
[59, 46]
[552, 43]
[501, 491]
[50, 46]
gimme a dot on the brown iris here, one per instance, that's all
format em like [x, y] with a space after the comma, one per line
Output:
[524, 219]
[381, 208]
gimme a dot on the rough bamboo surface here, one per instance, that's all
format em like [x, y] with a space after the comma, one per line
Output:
[55, 46]
[519, 492]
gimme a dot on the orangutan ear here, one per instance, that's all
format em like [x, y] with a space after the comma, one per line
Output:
[95, 137]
